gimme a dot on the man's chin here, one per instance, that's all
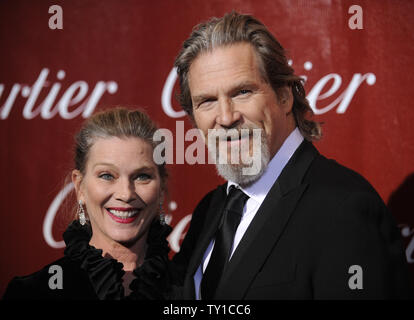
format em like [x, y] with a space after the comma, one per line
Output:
[236, 173]
[240, 168]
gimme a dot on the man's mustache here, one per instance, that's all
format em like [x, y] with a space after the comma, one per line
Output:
[234, 133]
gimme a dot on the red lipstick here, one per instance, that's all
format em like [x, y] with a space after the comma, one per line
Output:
[118, 214]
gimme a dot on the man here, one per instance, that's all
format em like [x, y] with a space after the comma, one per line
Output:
[299, 227]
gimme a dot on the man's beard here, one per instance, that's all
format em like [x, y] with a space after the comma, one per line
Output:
[239, 171]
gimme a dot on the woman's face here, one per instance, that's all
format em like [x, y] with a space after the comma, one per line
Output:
[121, 188]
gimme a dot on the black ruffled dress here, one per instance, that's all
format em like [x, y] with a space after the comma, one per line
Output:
[87, 275]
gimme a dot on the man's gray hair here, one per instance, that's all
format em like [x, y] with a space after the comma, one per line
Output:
[235, 28]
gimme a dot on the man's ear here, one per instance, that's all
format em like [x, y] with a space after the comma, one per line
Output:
[77, 180]
[285, 97]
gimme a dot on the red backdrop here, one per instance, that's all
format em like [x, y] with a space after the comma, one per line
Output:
[121, 53]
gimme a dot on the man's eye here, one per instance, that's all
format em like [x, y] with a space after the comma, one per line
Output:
[202, 103]
[106, 176]
[143, 177]
[205, 103]
[244, 91]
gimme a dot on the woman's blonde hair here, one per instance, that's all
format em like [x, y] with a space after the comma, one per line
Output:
[118, 122]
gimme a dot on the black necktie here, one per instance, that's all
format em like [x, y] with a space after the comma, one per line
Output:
[232, 214]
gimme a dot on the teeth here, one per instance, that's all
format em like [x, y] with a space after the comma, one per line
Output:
[123, 214]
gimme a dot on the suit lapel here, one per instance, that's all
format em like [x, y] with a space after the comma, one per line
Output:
[267, 226]
[211, 223]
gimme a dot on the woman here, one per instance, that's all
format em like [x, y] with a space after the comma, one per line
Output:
[120, 191]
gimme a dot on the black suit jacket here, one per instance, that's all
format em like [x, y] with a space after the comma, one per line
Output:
[318, 220]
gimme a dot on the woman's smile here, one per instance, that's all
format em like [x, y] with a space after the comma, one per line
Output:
[123, 215]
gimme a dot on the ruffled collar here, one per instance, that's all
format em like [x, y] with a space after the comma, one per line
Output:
[105, 274]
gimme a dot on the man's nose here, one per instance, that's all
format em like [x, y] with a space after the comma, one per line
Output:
[228, 115]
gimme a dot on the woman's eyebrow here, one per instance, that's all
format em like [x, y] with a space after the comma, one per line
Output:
[142, 168]
[104, 164]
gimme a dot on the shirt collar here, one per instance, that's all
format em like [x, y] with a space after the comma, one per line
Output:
[259, 189]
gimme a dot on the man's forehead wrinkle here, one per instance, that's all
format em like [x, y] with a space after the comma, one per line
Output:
[218, 53]
[238, 74]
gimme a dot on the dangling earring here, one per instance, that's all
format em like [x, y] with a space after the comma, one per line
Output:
[81, 214]
[162, 216]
